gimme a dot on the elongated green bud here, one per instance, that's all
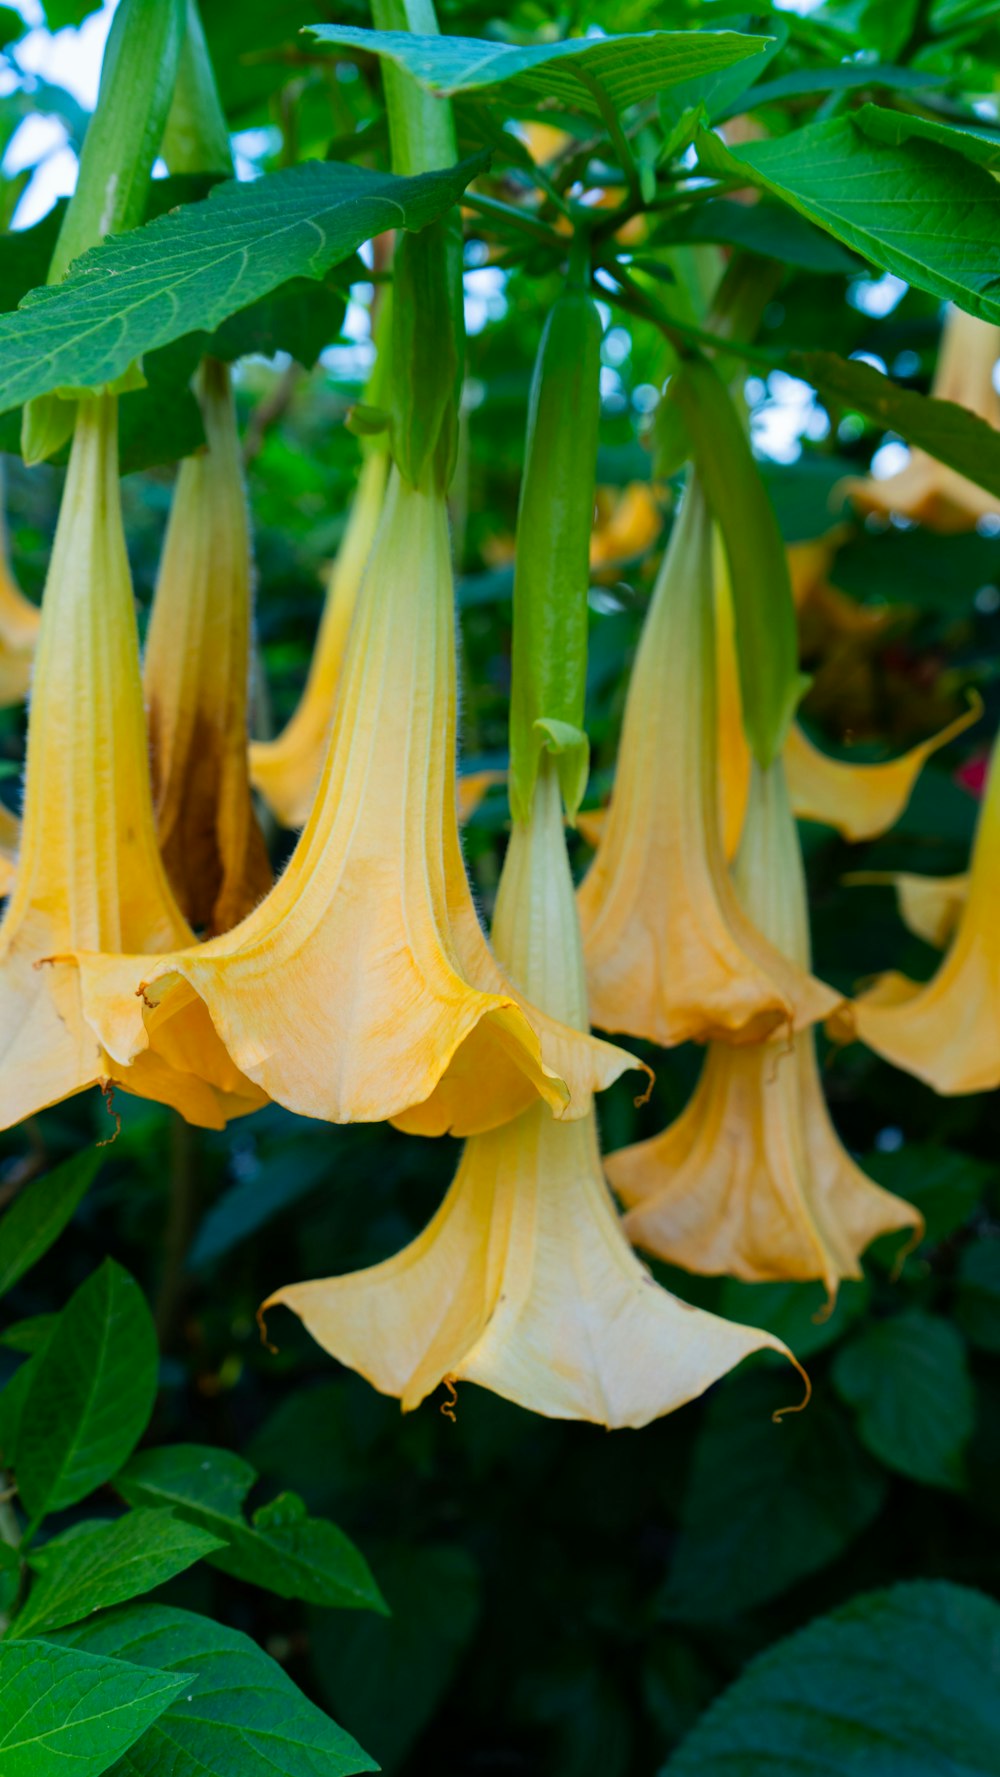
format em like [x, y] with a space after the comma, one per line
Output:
[196, 135]
[766, 639]
[552, 574]
[123, 136]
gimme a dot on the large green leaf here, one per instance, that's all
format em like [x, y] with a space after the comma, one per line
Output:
[625, 69]
[979, 1293]
[91, 1394]
[97, 1565]
[238, 1715]
[797, 1312]
[915, 210]
[895, 127]
[908, 1380]
[765, 1504]
[895, 1684]
[40, 1212]
[942, 428]
[191, 269]
[282, 1547]
[68, 1713]
[385, 1676]
[945, 1184]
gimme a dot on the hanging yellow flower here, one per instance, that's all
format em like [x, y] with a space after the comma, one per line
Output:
[752, 1178]
[925, 489]
[196, 676]
[362, 987]
[89, 873]
[670, 952]
[523, 1281]
[628, 525]
[931, 906]
[947, 1031]
[286, 770]
[19, 620]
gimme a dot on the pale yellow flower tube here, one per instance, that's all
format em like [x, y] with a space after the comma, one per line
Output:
[89, 872]
[195, 678]
[287, 770]
[670, 952]
[523, 1282]
[19, 621]
[752, 1178]
[363, 987]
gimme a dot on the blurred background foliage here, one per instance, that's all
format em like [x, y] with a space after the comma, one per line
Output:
[565, 1602]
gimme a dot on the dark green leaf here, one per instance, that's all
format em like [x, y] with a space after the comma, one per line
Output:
[194, 267]
[916, 210]
[65, 1710]
[943, 1183]
[29, 1335]
[385, 1676]
[765, 1504]
[979, 1293]
[97, 1565]
[942, 428]
[238, 1715]
[628, 68]
[895, 1682]
[40, 1212]
[896, 127]
[280, 1180]
[843, 77]
[796, 1312]
[91, 1394]
[770, 229]
[908, 1380]
[282, 1548]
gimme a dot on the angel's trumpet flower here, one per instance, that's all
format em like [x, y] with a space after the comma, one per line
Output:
[363, 988]
[523, 1281]
[287, 770]
[931, 906]
[947, 1031]
[196, 677]
[89, 872]
[670, 952]
[10, 839]
[925, 489]
[752, 1178]
[19, 620]
[628, 527]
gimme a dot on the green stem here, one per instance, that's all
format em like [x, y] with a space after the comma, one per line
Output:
[506, 216]
[613, 126]
[421, 128]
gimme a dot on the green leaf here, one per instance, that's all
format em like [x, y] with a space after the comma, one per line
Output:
[91, 1395]
[282, 1548]
[946, 1185]
[63, 1710]
[628, 69]
[896, 127]
[191, 269]
[978, 1309]
[915, 210]
[842, 78]
[765, 1504]
[772, 230]
[29, 1335]
[97, 1565]
[40, 1212]
[239, 1715]
[385, 1676]
[942, 428]
[908, 1380]
[795, 1312]
[902, 1681]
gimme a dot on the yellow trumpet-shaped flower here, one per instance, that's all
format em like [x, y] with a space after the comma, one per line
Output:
[947, 1031]
[523, 1281]
[752, 1178]
[670, 952]
[930, 905]
[196, 676]
[628, 525]
[363, 988]
[925, 489]
[19, 620]
[287, 770]
[89, 872]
